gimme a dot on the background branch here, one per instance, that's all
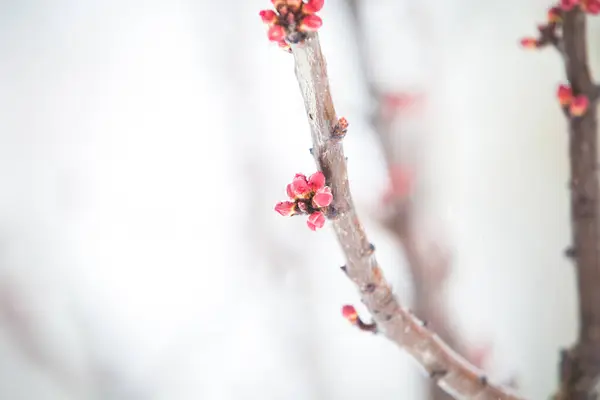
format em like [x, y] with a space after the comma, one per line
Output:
[449, 370]
[428, 269]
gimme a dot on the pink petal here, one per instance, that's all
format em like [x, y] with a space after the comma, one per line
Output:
[322, 197]
[568, 4]
[276, 33]
[290, 192]
[349, 312]
[300, 186]
[316, 181]
[579, 105]
[316, 220]
[286, 208]
[313, 6]
[310, 23]
[268, 16]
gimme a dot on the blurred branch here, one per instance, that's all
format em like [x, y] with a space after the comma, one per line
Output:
[428, 270]
[449, 370]
[580, 365]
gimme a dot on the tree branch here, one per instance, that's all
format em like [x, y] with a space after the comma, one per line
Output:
[445, 367]
[580, 365]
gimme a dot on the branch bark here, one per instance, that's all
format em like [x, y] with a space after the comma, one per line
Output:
[580, 365]
[449, 370]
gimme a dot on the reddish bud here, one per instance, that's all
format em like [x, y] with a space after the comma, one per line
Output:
[286, 208]
[579, 106]
[290, 191]
[529, 43]
[322, 197]
[268, 16]
[349, 312]
[565, 95]
[300, 186]
[276, 33]
[313, 6]
[316, 181]
[554, 15]
[310, 23]
[316, 220]
[568, 5]
[592, 7]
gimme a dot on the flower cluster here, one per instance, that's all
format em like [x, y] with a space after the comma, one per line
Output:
[548, 32]
[308, 196]
[292, 20]
[577, 105]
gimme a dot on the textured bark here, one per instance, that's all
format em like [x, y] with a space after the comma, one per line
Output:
[580, 365]
[446, 368]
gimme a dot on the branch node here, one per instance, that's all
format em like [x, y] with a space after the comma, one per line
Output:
[438, 374]
[369, 288]
[340, 129]
[570, 252]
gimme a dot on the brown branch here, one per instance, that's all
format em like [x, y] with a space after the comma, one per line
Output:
[580, 365]
[448, 369]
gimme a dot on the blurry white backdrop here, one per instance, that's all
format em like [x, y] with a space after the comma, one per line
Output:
[143, 145]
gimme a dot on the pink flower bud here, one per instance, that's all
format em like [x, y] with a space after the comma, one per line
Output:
[554, 15]
[316, 220]
[313, 6]
[290, 192]
[349, 312]
[268, 16]
[300, 186]
[322, 197]
[286, 208]
[568, 5]
[579, 106]
[592, 7]
[529, 43]
[276, 33]
[316, 181]
[565, 95]
[310, 23]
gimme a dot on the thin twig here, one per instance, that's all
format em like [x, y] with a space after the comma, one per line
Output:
[448, 369]
[580, 365]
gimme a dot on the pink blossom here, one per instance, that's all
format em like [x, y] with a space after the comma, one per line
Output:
[300, 186]
[316, 220]
[322, 197]
[316, 181]
[286, 208]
